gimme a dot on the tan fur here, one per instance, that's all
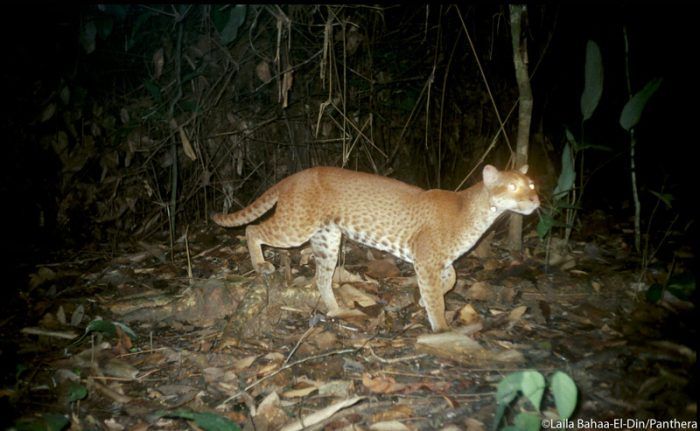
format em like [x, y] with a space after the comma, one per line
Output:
[427, 228]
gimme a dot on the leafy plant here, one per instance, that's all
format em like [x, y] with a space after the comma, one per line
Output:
[531, 385]
[105, 327]
[228, 20]
[629, 118]
[206, 421]
[47, 422]
[567, 196]
[682, 286]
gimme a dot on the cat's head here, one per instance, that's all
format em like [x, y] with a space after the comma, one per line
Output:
[510, 190]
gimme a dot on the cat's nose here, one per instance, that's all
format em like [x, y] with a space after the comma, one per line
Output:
[535, 199]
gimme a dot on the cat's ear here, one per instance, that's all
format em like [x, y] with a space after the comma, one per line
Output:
[523, 169]
[490, 175]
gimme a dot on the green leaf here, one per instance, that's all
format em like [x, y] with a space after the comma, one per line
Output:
[666, 198]
[118, 11]
[104, 26]
[654, 293]
[76, 392]
[47, 422]
[87, 36]
[154, 90]
[530, 383]
[570, 137]
[532, 387]
[207, 421]
[136, 32]
[565, 394]
[19, 369]
[103, 326]
[682, 285]
[500, 410]
[527, 421]
[125, 329]
[228, 23]
[544, 226]
[567, 175]
[64, 94]
[593, 86]
[508, 388]
[585, 146]
[632, 111]
[106, 327]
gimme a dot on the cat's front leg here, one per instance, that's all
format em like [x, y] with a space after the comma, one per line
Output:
[432, 298]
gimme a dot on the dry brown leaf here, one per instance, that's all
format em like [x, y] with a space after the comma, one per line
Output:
[262, 70]
[342, 275]
[112, 425]
[158, 62]
[400, 411]
[337, 388]
[492, 264]
[439, 387]
[381, 384]
[274, 356]
[48, 112]
[61, 315]
[447, 344]
[213, 374]
[323, 340]
[43, 275]
[468, 315]
[118, 368]
[186, 145]
[382, 268]
[287, 82]
[300, 392]
[270, 413]
[267, 369]
[389, 426]
[480, 291]
[474, 425]
[320, 415]
[509, 356]
[517, 313]
[351, 295]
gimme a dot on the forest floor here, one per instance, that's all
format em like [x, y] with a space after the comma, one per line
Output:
[139, 338]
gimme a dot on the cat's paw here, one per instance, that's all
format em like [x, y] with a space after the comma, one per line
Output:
[265, 268]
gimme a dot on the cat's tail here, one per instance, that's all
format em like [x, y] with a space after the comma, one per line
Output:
[253, 211]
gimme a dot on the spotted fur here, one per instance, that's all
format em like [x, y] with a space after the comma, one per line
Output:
[429, 228]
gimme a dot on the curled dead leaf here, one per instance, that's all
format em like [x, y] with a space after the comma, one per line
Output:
[517, 313]
[381, 384]
[262, 71]
[186, 144]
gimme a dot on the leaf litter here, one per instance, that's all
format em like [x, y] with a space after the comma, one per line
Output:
[227, 347]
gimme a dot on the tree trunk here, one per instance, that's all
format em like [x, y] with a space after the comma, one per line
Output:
[520, 60]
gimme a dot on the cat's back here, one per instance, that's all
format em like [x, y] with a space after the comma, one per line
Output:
[339, 180]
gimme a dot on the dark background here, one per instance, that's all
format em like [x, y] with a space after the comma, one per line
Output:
[40, 44]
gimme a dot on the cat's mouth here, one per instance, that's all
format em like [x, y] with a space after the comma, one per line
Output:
[528, 208]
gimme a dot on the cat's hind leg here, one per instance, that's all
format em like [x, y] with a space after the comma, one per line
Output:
[325, 244]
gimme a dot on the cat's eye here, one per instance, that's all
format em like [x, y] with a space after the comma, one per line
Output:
[512, 187]
[532, 186]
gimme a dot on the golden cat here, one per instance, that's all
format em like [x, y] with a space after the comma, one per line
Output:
[429, 228]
